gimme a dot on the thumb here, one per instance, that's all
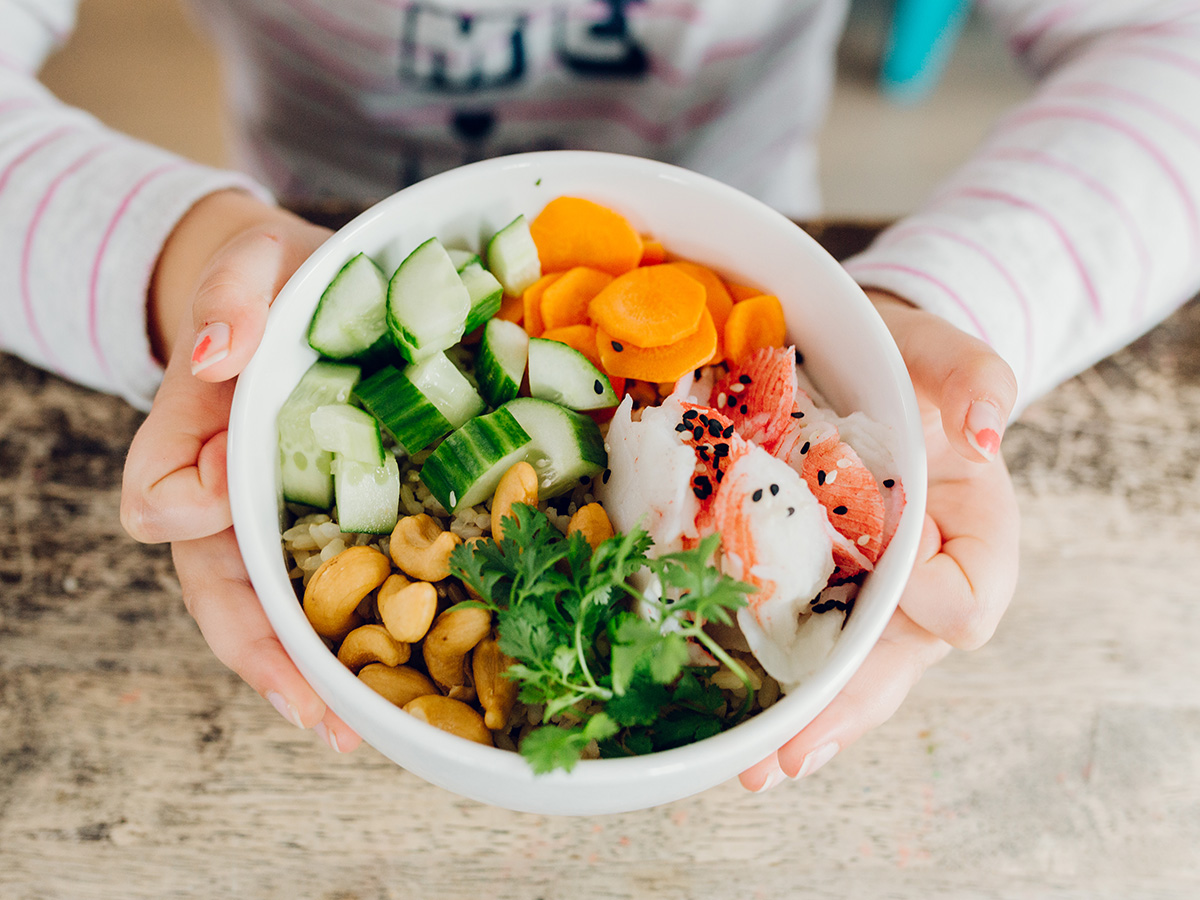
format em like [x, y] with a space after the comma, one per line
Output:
[971, 386]
[229, 312]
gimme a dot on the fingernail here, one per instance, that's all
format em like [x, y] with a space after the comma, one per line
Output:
[284, 708]
[327, 735]
[212, 346]
[817, 758]
[983, 429]
[774, 778]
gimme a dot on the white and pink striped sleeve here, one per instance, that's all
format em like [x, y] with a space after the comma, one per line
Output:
[1076, 226]
[84, 212]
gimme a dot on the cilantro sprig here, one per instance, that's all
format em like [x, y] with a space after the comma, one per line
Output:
[606, 658]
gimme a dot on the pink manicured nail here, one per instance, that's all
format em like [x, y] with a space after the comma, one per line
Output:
[774, 778]
[212, 346]
[984, 428]
[327, 736]
[817, 758]
[284, 708]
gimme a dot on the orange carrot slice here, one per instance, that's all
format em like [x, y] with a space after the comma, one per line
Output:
[653, 252]
[532, 301]
[565, 301]
[752, 325]
[652, 306]
[512, 309]
[571, 231]
[581, 337]
[659, 364]
[716, 297]
[740, 292]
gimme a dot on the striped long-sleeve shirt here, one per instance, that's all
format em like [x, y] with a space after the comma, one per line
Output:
[1072, 230]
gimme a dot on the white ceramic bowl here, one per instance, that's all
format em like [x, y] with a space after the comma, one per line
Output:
[848, 353]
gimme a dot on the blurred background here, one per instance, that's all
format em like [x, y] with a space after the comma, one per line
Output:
[144, 67]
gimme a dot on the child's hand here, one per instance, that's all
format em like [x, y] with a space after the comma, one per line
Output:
[215, 280]
[966, 567]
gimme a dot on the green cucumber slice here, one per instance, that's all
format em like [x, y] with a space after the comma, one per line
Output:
[305, 467]
[351, 315]
[566, 445]
[513, 258]
[368, 495]
[466, 467]
[346, 430]
[563, 375]
[462, 258]
[500, 365]
[427, 302]
[485, 292]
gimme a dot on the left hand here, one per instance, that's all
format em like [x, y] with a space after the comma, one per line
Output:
[966, 567]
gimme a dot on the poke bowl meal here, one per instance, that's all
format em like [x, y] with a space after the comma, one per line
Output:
[575, 483]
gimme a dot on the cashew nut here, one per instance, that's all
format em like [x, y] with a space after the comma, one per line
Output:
[594, 524]
[449, 641]
[399, 685]
[371, 644]
[497, 694]
[421, 548]
[518, 485]
[450, 715]
[334, 592]
[407, 608]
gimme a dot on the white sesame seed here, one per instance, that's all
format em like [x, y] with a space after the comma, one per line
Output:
[831, 476]
[863, 540]
[736, 388]
[844, 462]
[721, 398]
[453, 499]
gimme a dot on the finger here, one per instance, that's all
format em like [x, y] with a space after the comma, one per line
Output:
[217, 593]
[174, 483]
[869, 699]
[973, 388]
[336, 733]
[229, 312]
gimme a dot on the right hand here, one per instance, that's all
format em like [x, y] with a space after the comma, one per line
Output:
[215, 280]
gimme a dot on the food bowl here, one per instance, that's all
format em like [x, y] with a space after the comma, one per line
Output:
[848, 354]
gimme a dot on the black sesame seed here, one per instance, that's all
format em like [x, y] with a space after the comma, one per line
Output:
[616, 346]
[797, 415]
[721, 449]
[727, 433]
[744, 379]
[714, 428]
[791, 510]
[598, 386]
[757, 495]
[889, 482]
[702, 481]
[696, 375]
[804, 449]
[840, 510]
[720, 475]
[683, 426]
[607, 474]
[702, 451]
[799, 358]
[820, 476]
[774, 490]
[745, 409]
[697, 433]
[689, 414]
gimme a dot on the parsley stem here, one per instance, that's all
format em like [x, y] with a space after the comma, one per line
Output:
[734, 666]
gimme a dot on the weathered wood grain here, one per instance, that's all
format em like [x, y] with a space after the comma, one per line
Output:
[1060, 761]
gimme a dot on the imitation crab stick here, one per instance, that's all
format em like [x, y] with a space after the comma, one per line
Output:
[565, 301]
[652, 306]
[571, 231]
[753, 324]
[659, 364]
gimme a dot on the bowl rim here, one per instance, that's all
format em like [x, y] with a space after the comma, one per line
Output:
[262, 552]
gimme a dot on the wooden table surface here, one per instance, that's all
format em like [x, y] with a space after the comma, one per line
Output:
[1060, 761]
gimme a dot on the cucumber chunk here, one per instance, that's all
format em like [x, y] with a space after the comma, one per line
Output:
[500, 364]
[566, 446]
[513, 258]
[346, 430]
[368, 495]
[485, 293]
[421, 403]
[466, 467]
[427, 302]
[462, 258]
[351, 315]
[563, 375]
[305, 467]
